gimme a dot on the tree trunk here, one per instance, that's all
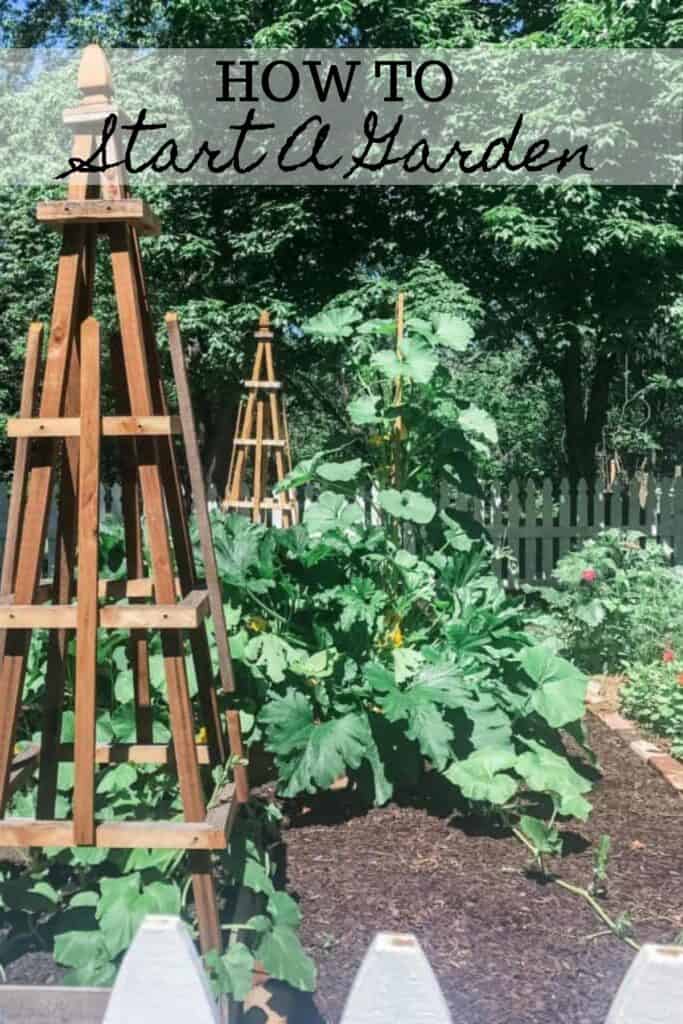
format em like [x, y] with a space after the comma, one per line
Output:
[585, 409]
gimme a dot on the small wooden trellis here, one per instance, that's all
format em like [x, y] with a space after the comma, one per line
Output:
[261, 440]
[62, 444]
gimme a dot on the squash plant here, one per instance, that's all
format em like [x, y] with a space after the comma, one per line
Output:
[373, 651]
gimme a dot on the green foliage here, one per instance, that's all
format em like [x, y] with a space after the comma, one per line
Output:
[618, 601]
[653, 696]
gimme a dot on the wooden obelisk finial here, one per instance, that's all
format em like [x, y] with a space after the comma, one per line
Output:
[94, 75]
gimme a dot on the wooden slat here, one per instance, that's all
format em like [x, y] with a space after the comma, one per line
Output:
[164, 835]
[58, 212]
[134, 753]
[266, 442]
[124, 835]
[31, 832]
[87, 609]
[111, 426]
[265, 503]
[128, 301]
[64, 582]
[187, 614]
[200, 502]
[237, 750]
[267, 385]
[29, 388]
[39, 493]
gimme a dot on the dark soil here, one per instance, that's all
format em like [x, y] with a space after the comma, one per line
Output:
[506, 948]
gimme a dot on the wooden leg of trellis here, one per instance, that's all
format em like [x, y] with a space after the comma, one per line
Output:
[65, 561]
[237, 750]
[200, 501]
[88, 533]
[248, 425]
[132, 337]
[199, 641]
[62, 593]
[29, 390]
[258, 463]
[130, 507]
[38, 494]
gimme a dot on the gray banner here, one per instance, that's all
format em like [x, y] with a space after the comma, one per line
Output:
[499, 115]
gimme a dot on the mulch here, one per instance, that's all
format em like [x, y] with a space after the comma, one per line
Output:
[506, 948]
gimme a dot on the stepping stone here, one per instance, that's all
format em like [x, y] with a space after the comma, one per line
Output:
[162, 980]
[395, 983]
[652, 990]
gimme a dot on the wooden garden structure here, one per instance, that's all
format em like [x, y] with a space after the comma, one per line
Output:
[261, 455]
[59, 436]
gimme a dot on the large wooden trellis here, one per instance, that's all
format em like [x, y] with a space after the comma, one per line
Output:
[261, 454]
[60, 448]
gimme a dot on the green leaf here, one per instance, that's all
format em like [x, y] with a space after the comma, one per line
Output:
[544, 838]
[331, 512]
[547, 772]
[232, 973]
[592, 613]
[340, 472]
[476, 421]
[270, 653]
[363, 411]
[96, 974]
[117, 779]
[79, 949]
[452, 332]
[312, 754]
[120, 911]
[284, 910]
[417, 362]
[333, 323]
[483, 775]
[283, 957]
[409, 505]
[561, 694]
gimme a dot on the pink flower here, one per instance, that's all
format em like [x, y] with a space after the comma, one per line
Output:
[589, 575]
[668, 655]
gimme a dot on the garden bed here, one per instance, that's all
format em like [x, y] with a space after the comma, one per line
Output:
[506, 949]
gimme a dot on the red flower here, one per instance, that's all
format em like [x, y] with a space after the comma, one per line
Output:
[680, 678]
[589, 575]
[668, 656]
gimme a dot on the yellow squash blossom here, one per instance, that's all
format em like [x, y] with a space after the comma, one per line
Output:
[396, 636]
[202, 736]
[256, 624]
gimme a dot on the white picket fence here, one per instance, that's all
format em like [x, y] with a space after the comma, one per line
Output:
[532, 527]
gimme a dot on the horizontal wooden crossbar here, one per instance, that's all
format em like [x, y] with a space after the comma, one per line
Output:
[266, 442]
[112, 426]
[117, 589]
[134, 753]
[58, 212]
[264, 503]
[187, 614]
[268, 385]
[210, 834]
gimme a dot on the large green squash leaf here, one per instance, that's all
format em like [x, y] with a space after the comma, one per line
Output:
[483, 775]
[561, 694]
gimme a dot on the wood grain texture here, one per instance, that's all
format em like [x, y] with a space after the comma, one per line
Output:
[87, 606]
[200, 502]
[39, 492]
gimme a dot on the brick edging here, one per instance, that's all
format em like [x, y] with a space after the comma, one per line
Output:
[668, 767]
